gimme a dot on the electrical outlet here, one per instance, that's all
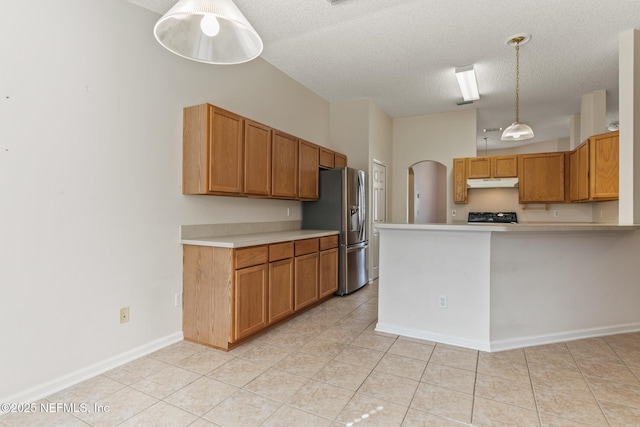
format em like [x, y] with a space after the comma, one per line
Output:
[288, 211]
[178, 300]
[442, 301]
[124, 314]
[453, 212]
[556, 213]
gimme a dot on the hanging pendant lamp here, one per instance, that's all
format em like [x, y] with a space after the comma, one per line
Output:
[517, 131]
[210, 31]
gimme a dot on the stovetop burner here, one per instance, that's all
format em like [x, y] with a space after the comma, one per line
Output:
[491, 217]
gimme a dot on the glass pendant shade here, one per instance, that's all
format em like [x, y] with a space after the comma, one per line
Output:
[517, 132]
[210, 31]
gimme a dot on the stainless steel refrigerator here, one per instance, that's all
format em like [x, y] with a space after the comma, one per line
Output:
[343, 206]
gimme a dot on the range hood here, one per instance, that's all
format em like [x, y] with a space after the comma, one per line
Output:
[492, 183]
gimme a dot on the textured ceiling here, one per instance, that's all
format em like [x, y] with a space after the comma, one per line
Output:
[402, 54]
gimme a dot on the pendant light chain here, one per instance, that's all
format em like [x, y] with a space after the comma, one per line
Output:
[518, 82]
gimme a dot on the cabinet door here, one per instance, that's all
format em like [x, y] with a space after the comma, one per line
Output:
[306, 280]
[541, 177]
[479, 167]
[250, 301]
[504, 166]
[225, 151]
[328, 272]
[257, 159]
[573, 186]
[280, 289]
[308, 158]
[340, 160]
[459, 181]
[327, 160]
[583, 172]
[603, 166]
[284, 165]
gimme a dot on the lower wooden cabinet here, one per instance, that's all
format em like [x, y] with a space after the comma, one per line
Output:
[328, 274]
[306, 280]
[229, 295]
[250, 297]
[280, 289]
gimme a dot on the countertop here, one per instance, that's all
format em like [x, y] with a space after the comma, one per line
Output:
[520, 227]
[254, 239]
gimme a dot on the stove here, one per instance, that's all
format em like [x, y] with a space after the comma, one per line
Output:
[491, 217]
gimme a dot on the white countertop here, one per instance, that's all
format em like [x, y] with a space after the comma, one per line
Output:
[520, 227]
[254, 239]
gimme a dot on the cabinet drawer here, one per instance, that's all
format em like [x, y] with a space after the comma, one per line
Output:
[306, 246]
[254, 255]
[328, 242]
[280, 251]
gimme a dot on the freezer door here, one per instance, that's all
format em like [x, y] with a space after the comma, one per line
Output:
[354, 268]
[356, 206]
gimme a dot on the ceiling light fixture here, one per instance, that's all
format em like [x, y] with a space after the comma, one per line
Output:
[468, 84]
[210, 31]
[518, 131]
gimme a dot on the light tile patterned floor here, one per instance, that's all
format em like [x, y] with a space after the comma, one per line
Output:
[328, 367]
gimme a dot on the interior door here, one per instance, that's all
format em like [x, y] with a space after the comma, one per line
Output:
[378, 212]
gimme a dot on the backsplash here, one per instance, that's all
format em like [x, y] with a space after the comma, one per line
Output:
[506, 200]
[230, 229]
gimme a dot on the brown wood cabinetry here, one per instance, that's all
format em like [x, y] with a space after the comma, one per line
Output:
[504, 166]
[284, 165]
[604, 166]
[479, 167]
[460, 180]
[327, 158]
[250, 298]
[328, 268]
[257, 159]
[306, 273]
[579, 187]
[280, 281]
[541, 177]
[230, 295]
[227, 154]
[595, 169]
[212, 158]
[308, 158]
[340, 160]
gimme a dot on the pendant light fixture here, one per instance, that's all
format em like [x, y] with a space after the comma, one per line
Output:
[210, 31]
[517, 131]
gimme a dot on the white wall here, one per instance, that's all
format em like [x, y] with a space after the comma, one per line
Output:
[440, 137]
[90, 175]
[552, 145]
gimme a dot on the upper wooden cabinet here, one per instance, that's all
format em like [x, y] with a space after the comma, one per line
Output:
[257, 159]
[460, 180]
[308, 156]
[541, 177]
[479, 167]
[595, 169]
[340, 160]
[284, 165]
[504, 166]
[212, 157]
[604, 166]
[327, 158]
[230, 155]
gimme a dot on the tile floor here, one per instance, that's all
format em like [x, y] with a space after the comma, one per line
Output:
[328, 367]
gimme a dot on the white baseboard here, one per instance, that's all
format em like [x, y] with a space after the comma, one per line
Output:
[509, 344]
[432, 336]
[530, 341]
[38, 392]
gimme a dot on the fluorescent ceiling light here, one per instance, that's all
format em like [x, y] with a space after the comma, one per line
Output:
[467, 81]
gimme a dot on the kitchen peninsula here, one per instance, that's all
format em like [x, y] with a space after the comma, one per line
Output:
[497, 287]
